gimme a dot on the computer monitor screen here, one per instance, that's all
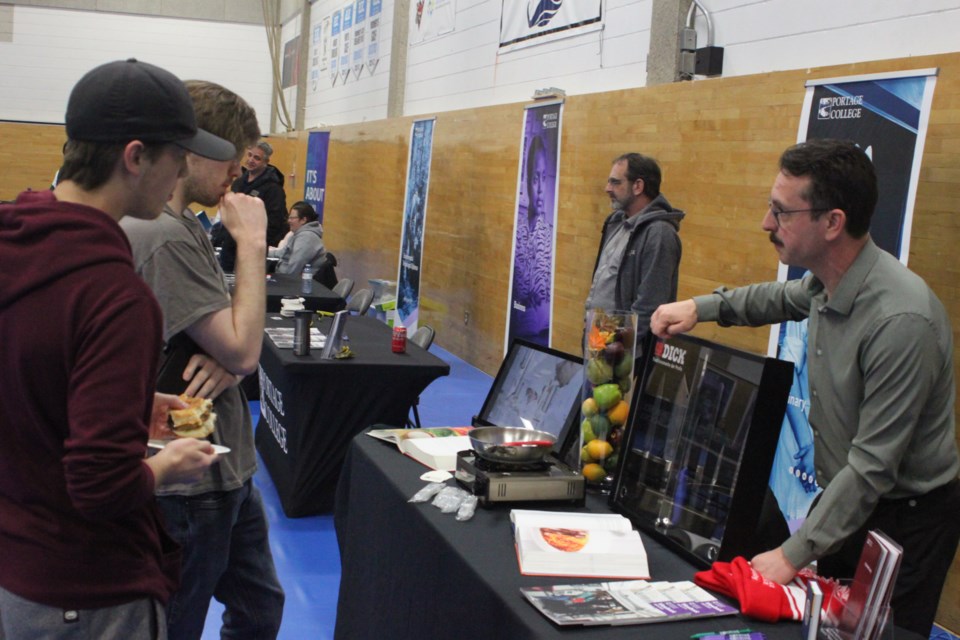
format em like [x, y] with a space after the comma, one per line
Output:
[536, 387]
[700, 442]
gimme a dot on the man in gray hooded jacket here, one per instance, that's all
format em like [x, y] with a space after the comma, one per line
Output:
[304, 244]
[638, 264]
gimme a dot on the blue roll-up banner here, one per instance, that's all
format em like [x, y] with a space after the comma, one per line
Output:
[315, 184]
[530, 307]
[887, 116]
[414, 220]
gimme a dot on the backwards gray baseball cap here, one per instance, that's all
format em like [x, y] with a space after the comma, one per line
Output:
[131, 100]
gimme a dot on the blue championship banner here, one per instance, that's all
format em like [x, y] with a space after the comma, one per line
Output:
[315, 184]
[535, 230]
[887, 116]
[414, 219]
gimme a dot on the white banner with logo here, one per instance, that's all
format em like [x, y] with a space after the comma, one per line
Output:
[336, 26]
[887, 116]
[526, 22]
[430, 18]
[373, 35]
[346, 41]
[359, 36]
[319, 50]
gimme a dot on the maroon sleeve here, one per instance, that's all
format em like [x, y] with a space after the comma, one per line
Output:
[110, 399]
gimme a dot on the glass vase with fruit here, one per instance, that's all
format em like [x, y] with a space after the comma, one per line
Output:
[609, 347]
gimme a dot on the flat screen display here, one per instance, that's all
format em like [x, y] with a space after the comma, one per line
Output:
[699, 444]
[536, 387]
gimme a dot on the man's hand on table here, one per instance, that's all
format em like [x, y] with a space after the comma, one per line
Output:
[774, 566]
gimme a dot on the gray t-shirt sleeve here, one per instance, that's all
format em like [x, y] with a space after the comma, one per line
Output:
[184, 284]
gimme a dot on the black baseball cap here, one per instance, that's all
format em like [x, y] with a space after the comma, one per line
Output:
[131, 100]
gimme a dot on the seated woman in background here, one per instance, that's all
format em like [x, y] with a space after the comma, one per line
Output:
[304, 244]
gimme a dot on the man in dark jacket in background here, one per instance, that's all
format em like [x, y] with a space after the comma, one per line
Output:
[261, 180]
[638, 263]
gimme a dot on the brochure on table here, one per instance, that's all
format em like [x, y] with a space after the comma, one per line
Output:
[867, 609]
[628, 602]
[282, 337]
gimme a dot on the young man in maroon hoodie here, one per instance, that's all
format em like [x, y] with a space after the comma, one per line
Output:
[82, 551]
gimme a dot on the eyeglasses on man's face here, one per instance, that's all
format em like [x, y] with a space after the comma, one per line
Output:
[616, 182]
[777, 212]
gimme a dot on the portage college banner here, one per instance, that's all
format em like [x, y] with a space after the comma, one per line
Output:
[414, 218]
[534, 231]
[887, 116]
[315, 184]
[526, 22]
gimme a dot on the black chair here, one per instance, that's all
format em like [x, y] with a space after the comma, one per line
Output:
[423, 338]
[360, 301]
[343, 287]
[326, 272]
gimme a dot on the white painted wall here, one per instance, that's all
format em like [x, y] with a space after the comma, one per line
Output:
[774, 35]
[50, 49]
[465, 69]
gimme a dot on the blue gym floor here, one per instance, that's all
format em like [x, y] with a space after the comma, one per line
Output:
[305, 549]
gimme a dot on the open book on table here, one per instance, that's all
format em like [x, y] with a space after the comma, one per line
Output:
[628, 602]
[555, 543]
[435, 447]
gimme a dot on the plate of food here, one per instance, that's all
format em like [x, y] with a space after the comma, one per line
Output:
[197, 420]
[156, 443]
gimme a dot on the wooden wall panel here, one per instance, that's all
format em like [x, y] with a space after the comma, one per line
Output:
[30, 155]
[717, 140]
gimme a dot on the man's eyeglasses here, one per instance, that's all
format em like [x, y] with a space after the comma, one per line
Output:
[777, 212]
[616, 182]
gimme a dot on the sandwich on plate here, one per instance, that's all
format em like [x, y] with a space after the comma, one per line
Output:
[196, 421]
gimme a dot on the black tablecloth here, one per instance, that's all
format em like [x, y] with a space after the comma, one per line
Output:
[311, 408]
[319, 299]
[410, 571]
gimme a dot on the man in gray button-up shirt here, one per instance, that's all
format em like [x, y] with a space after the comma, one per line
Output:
[880, 360]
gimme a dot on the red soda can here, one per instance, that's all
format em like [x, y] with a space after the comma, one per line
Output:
[399, 343]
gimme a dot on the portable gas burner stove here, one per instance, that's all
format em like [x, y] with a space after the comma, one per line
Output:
[495, 482]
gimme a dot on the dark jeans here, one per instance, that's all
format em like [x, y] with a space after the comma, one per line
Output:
[928, 529]
[226, 555]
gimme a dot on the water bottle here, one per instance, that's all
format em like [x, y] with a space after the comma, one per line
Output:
[306, 280]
